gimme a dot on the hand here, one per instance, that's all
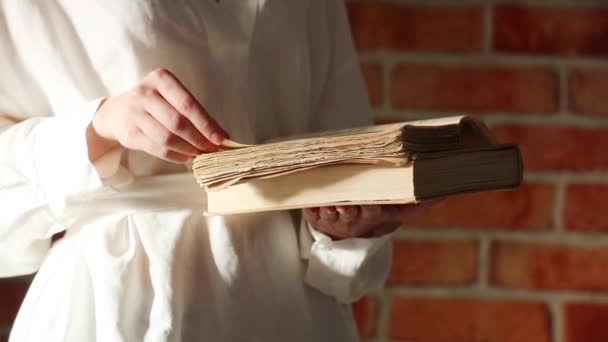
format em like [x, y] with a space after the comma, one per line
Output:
[160, 117]
[361, 221]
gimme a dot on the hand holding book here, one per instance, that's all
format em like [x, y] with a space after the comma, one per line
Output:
[342, 222]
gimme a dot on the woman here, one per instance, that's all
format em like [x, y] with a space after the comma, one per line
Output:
[105, 104]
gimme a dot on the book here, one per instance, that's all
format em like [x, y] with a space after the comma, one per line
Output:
[397, 163]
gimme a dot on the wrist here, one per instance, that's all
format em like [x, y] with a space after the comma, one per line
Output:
[100, 126]
[100, 139]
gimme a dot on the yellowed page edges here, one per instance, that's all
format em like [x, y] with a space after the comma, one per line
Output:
[229, 144]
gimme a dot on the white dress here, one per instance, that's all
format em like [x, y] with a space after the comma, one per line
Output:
[139, 261]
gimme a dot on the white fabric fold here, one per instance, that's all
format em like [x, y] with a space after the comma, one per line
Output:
[63, 135]
[139, 261]
[35, 187]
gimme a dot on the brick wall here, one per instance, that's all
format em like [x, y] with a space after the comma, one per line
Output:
[525, 265]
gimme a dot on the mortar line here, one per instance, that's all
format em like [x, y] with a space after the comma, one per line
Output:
[465, 3]
[487, 27]
[425, 3]
[600, 177]
[567, 3]
[483, 263]
[493, 118]
[558, 205]
[566, 238]
[496, 293]
[378, 302]
[384, 299]
[563, 88]
[495, 59]
[555, 306]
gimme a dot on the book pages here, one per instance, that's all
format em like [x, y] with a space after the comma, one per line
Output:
[389, 144]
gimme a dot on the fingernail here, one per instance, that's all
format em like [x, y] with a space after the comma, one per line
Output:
[217, 138]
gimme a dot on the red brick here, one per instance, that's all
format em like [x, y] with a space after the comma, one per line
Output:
[445, 262]
[365, 311]
[549, 266]
[585, 322]
[562, 31]
[471, 320]
[12, 292]
[585, 207]
[587, 91]
[474, 88]
[395, 27]
[558, 148]
[373, 81]
[528, 207]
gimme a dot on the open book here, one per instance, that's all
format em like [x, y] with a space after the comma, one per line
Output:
[385, 164]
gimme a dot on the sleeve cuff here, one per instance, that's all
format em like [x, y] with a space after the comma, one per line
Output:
[61, 160]
[344, 269]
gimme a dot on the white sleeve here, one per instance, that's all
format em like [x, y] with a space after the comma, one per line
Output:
[348, 268]
[344, 269]
[43, 163]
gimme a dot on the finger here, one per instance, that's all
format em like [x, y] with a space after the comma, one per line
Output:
[168, 155]
[348, 214]
[343, 208]
[371, 213]
[178, 124]
[162, 136]
[328, 214]
[311, 215]
[144, 143]
[181, 99]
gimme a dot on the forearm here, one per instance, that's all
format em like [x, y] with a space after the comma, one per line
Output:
[43, 164]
